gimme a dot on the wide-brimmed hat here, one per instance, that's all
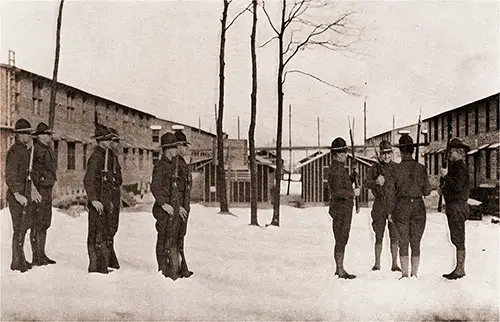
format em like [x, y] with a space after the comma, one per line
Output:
[113, 134]
[168, 140]
[102, 133]
[406, 143]
[42, 128]
[181, 138]
[339, 145]
[22, 126]
[385, 146]
[456, 143]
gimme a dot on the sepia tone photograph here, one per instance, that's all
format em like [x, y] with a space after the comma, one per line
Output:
[249, 160]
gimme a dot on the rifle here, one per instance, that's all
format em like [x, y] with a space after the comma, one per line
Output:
[101, 234]
[441, 185]
[173, 264]
[419, 127]
[29, 181]
[353, 168]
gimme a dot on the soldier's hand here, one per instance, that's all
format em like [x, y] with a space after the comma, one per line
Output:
[443, 172]
[389, 217]
[168, 208]
[98, 206]
[183, 213]
[440, 192]
[21, 199]
[35, 195]
[357, 192]
[380, 180]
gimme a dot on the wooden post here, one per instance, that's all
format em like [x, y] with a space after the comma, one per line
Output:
[319, 138]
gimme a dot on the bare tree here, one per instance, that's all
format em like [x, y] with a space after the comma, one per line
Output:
[52, 102]
[296, 32]
[221, 173]
[253, 115]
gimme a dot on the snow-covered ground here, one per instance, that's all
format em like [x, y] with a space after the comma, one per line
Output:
[244, 272]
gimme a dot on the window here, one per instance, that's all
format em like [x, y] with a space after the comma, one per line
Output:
[84, 157]
[449, 127]
[436, 133]
[488, 164]
[442, 128]
[125, 157]
[436, 164]
[457, 120]
[56, 149]
[487, 111]
[84, 100]
[466, 121]
[156, 136]
[476, 119]
[37, 97]
[71, 156]
[156, 156]
[141, 158]
[70, 107]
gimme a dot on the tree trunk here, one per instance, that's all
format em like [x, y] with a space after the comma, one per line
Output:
[253, 115]
[279, 165]
[221, 174]
[53, 88]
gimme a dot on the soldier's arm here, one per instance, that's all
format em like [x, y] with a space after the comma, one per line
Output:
[119, 178]
[89, 181]
[456, 181]
[390, 192]
[159, 185]
[426, 188]
[372, 174]
[14, 178]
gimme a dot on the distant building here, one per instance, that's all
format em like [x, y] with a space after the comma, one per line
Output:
[27, 96]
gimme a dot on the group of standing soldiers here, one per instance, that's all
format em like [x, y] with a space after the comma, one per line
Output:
[399, 190]
[30, 176]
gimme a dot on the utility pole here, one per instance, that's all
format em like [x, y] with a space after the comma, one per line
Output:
[238, 127]
[289, 151]
[319, 138]
[53, 87]
[393, 128]
[364, 126]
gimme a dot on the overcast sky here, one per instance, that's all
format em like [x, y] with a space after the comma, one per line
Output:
[161, 57]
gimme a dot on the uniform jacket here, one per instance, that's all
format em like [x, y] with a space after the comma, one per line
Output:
[456, 182]
[94, 175]
[161, 184]
[339, 181]
[384, 169]
[410, 181]
[44, 165]
[16, 168]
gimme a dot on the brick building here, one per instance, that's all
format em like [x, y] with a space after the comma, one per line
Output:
[477, 124]
[26, 94]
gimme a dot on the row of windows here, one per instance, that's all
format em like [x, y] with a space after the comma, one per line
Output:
[434, 162]
[462, 116]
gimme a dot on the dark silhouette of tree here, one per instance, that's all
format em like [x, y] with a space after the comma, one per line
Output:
[53, 88]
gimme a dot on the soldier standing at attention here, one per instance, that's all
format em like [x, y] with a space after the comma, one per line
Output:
[411, 183]
[161, 186]
[340, 187]
[44, 177]
[98, 183]
[378, 175]
[185, 182]
[21, 192]
[455, 190]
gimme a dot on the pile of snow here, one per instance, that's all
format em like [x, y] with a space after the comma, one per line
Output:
[244, 272]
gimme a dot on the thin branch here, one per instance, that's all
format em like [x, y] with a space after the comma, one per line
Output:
[348, 90]
[269, 18]
[297, 11]
[268, 41]
[239, 14]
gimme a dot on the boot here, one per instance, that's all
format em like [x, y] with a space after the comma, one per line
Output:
[459, 270]
[42, 239]
[339, 259]
[394, 254]
[35, 261]
[97, 263]
[378, 251]
[415, 262]
[19, 262]
[113, 260]
[405, 263]
[185, 272]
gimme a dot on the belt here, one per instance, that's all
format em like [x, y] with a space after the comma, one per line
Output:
[410, 199]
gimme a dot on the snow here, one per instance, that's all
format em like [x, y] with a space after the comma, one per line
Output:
[244, 272]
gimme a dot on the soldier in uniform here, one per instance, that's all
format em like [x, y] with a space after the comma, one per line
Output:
[340, 187]
[377, 176]
[116, 180]
[164, 176]
[185, 183]
[455, 189]
[21, 193]
[99, 183]
[411, 183]
[44, 177]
